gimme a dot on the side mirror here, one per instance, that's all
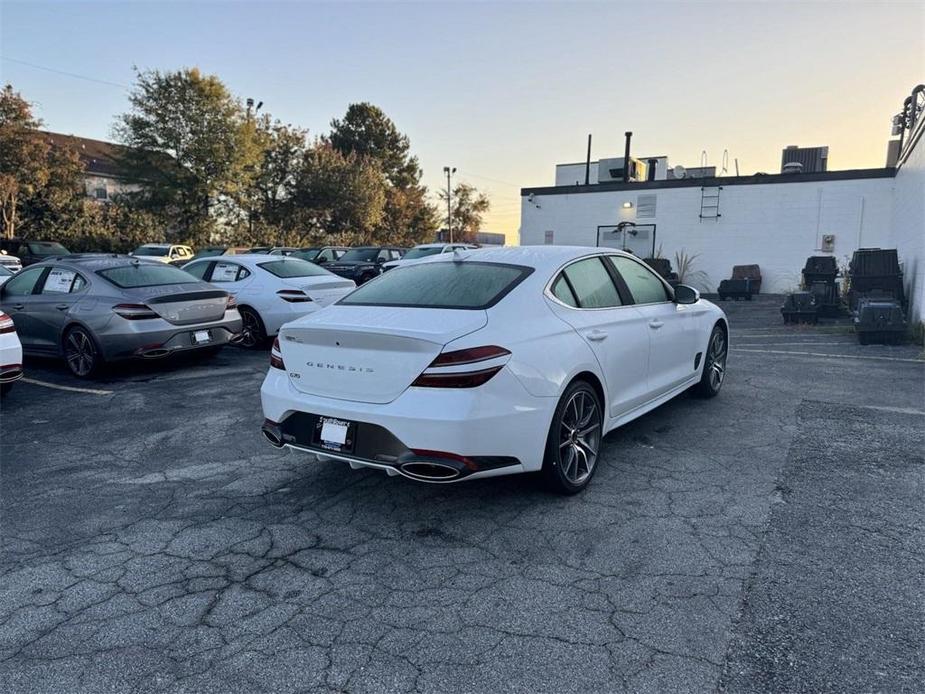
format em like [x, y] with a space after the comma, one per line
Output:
[686, 295]
[321, 260]
[379, 260]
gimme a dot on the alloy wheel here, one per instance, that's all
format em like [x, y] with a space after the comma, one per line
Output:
[579, 437]
[251, 330]
[80, 353]
[717, 363]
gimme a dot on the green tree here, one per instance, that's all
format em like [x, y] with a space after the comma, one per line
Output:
[469, 207]
[24, 162]
[337, 195]
[367, 131]
[283, 149]
[193, 149]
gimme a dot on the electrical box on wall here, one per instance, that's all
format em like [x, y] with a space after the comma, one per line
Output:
[828, 243]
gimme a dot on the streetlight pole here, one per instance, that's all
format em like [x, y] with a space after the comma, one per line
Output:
[449, 195]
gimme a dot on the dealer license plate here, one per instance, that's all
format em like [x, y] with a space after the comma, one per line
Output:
[200, 337]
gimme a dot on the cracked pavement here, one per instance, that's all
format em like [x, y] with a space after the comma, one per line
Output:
[152, 541]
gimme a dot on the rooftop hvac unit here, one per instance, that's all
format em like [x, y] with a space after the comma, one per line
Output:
[813, 159]
[610, 170]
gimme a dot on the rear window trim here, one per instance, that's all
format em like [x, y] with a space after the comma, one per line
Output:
[101, 272]
[525, 272]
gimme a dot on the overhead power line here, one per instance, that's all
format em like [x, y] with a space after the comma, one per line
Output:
[73, 75]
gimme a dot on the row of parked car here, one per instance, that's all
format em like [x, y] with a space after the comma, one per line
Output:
[162, 299]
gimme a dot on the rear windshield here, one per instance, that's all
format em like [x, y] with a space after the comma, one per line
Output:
[206, 253]
[293, 267]
[441, 285]
[150, 250]
[145, 275]
[422, 252]
[47, 248]
[361, 254]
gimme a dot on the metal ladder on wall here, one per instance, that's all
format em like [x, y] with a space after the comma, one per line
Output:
[709, 202]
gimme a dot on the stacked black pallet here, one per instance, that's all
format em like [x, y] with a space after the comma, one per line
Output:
[663, 267]
[745, 283]
[819, 276]
[800, 307]
[875, 295]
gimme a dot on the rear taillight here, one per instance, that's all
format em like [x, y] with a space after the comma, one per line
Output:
[134, 311]
[293, 296]
[445, 372]
[231, 303]
[6, 324]
[276, 356]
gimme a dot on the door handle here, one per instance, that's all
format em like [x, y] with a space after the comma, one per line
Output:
[62, 307]
[655, 324]
[597, 335]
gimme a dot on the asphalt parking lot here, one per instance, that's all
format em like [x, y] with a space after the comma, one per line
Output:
[771, 539]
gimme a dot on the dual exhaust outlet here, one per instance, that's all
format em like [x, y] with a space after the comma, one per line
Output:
[416, 469]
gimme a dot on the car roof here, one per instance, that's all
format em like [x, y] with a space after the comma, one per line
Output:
[244, 258]
[159, 245]
[548, 258]
[94, 261]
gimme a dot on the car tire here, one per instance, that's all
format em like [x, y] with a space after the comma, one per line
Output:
[714, 364]
[81, 353]
[574, 440]
[254, 335]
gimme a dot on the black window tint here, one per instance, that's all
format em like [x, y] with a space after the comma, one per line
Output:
[197, 270]
[441, 285]
[292, 267]
[563, 292]
[144, 275]
[643, 284]
[24, 282]
[592, 284]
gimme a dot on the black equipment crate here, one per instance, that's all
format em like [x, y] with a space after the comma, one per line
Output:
[736, 289]
[820, 268]
[800, 307]
[879, 319]
[827, 298]
[874, 262]
[752, 273]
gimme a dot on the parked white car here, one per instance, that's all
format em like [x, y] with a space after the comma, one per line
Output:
[10, 262]
[164, 252]
[5, 274]
[497, 362]
[425, 250]
[271, 289]
[10, 354]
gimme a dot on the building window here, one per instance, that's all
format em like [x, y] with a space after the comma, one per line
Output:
[645, 206]
[549, 238]
[101, 194]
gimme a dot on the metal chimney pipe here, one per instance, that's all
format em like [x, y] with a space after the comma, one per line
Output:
[626, 157]
[588, 162]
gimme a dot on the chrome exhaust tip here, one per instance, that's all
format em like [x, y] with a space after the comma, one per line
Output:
[155, 353]
[430, 471]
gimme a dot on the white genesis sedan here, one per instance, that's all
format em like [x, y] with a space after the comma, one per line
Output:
[493, 362]
[270, 289]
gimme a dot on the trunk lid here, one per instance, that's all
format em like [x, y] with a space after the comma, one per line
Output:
[369, 353]
[183, 304]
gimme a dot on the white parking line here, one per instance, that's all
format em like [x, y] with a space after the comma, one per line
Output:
[885, 408]
[72, 389]
[830, 356]
[785, 344]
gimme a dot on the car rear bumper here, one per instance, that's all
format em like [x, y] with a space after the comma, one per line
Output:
[10, 359]
[495, 429]
[153, 338]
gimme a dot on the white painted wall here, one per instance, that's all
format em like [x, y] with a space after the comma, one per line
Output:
[909, 226]
[776, 225]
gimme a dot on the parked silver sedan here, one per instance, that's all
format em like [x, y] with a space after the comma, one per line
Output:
[91, 309]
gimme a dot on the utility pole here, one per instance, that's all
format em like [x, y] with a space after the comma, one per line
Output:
[449, 195]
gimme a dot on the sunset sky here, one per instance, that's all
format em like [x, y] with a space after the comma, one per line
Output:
[503, 91]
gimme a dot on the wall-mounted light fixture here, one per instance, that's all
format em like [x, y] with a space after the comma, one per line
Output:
[627, 205]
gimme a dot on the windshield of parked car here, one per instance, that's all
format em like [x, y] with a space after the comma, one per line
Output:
[292, 267]
[4, 272]
[441, 285]
[364, 255]
[422, 252]
[47, 248]
[145, 275]
[151, 250]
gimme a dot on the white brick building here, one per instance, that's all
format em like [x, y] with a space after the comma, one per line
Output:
[776, 221]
